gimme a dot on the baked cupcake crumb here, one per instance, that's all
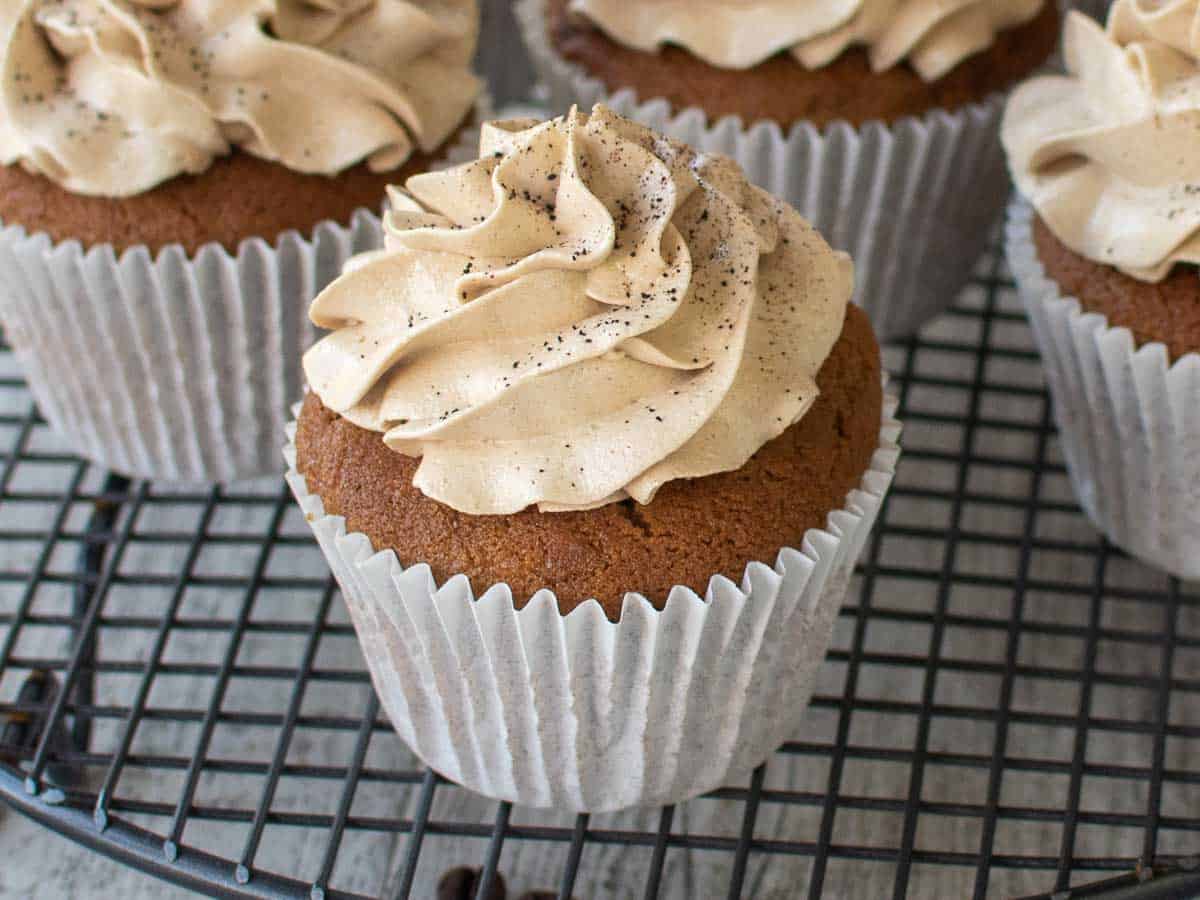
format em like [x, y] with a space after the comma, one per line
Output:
[1167, 311]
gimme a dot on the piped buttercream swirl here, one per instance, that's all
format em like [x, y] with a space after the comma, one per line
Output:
[1109, 154]
[934, 36]
[584, 313]
[112, 97]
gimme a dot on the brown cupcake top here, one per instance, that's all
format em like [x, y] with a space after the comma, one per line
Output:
[781, 89]
[238, 197]
[931, 35]
[1166, 311]
[693, 529]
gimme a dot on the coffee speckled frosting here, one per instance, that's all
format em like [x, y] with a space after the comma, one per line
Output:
[583, 314]
[112, 97]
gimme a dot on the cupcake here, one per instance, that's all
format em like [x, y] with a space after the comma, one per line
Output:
[877, 119]
[592, 448]
[177, 180]
[1105, 248]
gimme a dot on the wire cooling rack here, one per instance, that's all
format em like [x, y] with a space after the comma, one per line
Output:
[1011, 705]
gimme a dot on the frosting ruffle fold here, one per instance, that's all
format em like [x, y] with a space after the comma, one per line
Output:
[579, 316]
[112, 97]
[933, 36]
[1107, 154]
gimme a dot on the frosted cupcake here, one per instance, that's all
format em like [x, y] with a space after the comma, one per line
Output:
[592, 378]
[1106, 252]
[178, 179]
[877, 119]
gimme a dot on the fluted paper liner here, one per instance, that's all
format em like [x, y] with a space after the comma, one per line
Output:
[583, 714]
[1128, 419]
[912, 202]
[172, 366]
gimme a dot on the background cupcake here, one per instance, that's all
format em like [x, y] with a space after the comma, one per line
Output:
[623, 381]
[1107, 264]
[179, 180]
[877, 119]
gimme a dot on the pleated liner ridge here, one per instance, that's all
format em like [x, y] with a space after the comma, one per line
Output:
[1128, 419]
[913, 202]
[582, 714]
[168, 366]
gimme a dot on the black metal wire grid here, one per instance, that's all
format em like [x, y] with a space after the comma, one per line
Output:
[1011, 705]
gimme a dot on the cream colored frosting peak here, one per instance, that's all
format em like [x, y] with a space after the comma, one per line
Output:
[112, 97]
[586, 312]
[1109, 154]
[934, 36]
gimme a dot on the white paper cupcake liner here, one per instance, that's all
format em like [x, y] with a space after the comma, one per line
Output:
[172, 366]
[577, 712]
[912, 202]
[1128, 420]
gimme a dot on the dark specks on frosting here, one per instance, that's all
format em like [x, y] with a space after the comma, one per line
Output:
[585, 312]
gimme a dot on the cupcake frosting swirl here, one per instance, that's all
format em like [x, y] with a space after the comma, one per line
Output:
[579, 316]
[112, 97]
[933, 36]
[1109, 154]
